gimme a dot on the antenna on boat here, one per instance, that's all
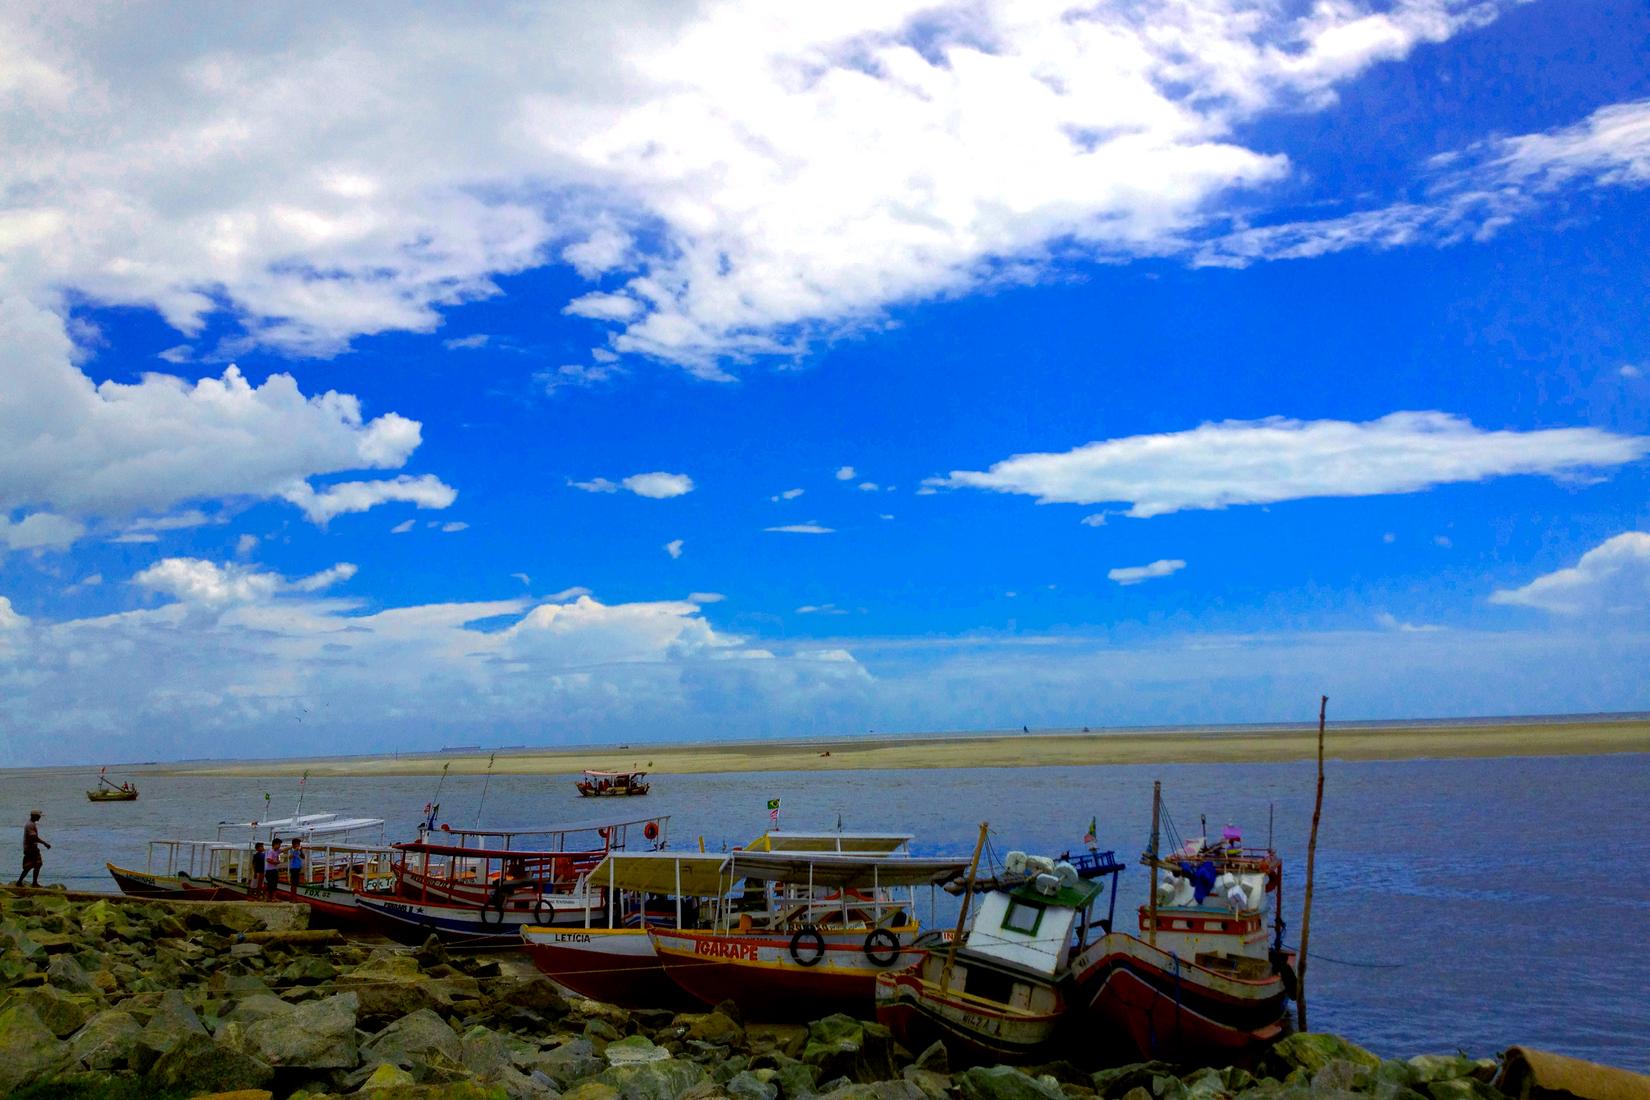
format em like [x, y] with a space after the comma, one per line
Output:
[484, 784]
[433, 806]
[302, 780]
[962, 913]
[1311, 856]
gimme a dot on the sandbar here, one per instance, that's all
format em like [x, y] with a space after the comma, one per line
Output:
[1249, 744]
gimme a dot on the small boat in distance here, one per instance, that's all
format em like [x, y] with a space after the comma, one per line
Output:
[597, 784]
[106, 791]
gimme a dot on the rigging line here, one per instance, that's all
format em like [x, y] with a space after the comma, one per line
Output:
[1351, 962]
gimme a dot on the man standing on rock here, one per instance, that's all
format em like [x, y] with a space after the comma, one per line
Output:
[31, 848]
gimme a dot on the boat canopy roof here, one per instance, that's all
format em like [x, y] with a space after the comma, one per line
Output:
[554, 830]
[843, 869]
[279, 822]
[869, 843]
[473, 852]
[307, 826]
[679, 873]
[593, 774]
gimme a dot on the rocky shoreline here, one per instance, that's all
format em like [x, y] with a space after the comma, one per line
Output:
[113, 997]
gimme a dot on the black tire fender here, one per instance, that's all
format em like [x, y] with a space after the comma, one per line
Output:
[882, 947]
[802, 935]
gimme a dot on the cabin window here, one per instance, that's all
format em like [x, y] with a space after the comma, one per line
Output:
[1023, 916]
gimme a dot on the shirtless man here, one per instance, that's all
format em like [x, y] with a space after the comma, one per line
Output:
[31, 848]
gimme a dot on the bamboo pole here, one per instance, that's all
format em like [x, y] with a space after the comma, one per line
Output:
[1152, 863]
[1311, 858]
[962, 913]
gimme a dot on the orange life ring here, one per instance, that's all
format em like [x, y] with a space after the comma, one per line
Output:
[651, 830]
[603, 832]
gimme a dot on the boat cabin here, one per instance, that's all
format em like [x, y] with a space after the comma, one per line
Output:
[1034, 926]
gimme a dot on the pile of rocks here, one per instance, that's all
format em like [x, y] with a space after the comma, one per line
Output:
[189, 1000]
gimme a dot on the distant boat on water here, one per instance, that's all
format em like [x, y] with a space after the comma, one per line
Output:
[107, 791]
[610, 784]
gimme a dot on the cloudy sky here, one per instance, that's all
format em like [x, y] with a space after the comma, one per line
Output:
[380, 378]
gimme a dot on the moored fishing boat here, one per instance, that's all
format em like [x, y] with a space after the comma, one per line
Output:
[1201, 983]
[999, 993]
[612, 958]
[212, 870]
[597, 784]
[483, 888]
[809, 935]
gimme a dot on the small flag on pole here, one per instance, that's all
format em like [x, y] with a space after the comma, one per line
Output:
[773, 812]
[1089, 837]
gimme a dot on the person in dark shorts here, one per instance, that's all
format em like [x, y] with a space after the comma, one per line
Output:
[31, 848]
[295, 863]
[259, 861]
[273, 863]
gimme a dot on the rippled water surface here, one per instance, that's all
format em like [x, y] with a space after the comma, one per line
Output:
[1459, 903]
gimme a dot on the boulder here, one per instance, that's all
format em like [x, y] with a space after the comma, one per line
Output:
[573, 1061]
[316, 1035]
[106, 1042]
[173, 1020]
[787, 1039]
[485, 1053]
[1312, 1051]
[63, 1014]
[591, 1090]
[421, 1042]
[633, 1051]
[28, 1049]
[1460, 1088]
[796, 1080]
[932, 1085]
[387, 1077]
[841, 1046]
[935, 1058]
[709, 1027]
[1440, 1067]
[65, 972]
[197, 1063]
[308, 970]
[1340, 1073]
[1005, 1083]
[746, 1085]
[260, 1006]
[665, 1080]
[1118, 1080]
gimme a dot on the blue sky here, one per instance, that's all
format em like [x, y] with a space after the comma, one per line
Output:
[392, 386]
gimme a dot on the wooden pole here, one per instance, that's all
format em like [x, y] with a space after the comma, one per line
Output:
[962, 913]
[1151, 862]
[1311, 858]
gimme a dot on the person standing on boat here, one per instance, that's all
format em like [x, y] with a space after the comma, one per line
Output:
[272, 868]
[31, 848]
[259, 860]
[295, 862]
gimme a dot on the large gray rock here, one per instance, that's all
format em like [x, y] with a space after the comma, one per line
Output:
[28, 1049]
[173, 1021]
[106, 1042]
[198, 1064]
[664, 1080]
[420, 1042]
[572, 1061]
[1005, 1083]
[1311, 1051]
[841, 1046]
[316, 1035]
[934, 1086]
[485, 1053]
[709, 1027]
[60, 1012]
[66, 973]
[748, 1086]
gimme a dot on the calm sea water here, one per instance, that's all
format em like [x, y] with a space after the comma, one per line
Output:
[1459, 903]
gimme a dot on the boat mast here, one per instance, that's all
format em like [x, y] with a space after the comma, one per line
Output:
[1151, 860]
[962, 913]
[1311, 858]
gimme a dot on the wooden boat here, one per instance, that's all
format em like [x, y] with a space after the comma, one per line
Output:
[1000, 993]
[216, 869]
[810, 934]
[1201, 983]
[613, 784]
[106, 791]
[483, 888]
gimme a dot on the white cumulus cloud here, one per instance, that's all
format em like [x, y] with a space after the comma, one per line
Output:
[1613, 578]
[426, 491]
[802, 529]
[674, 548]
[659, 485]
[1263, 461]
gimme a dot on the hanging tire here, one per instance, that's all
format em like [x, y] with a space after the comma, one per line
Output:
[492, 905]
[882, 947]
[806, 935]
[543, 911]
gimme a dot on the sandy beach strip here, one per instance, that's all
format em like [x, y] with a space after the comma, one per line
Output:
[994, 750]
